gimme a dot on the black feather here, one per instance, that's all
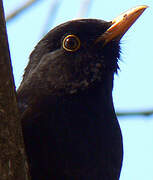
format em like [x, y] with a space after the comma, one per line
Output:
[69, 124]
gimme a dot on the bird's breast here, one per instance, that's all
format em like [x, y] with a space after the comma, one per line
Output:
[75, 136]
[79, 139]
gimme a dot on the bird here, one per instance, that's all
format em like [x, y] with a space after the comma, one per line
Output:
[70, 128]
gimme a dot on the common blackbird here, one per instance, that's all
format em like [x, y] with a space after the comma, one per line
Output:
[70, 128]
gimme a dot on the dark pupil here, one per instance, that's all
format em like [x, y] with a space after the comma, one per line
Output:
[71, 43]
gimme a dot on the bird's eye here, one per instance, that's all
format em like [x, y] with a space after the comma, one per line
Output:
[71, 43]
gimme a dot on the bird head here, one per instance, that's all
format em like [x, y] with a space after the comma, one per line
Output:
[77, 55]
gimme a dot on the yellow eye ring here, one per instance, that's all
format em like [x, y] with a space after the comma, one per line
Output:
[71, 43]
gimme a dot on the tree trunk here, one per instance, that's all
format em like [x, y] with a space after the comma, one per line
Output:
[13, 164]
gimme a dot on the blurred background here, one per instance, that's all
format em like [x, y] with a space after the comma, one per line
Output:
[29, 20]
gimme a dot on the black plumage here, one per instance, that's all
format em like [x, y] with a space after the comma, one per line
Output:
[69, 124]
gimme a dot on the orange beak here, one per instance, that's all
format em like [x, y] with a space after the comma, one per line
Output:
[121, 24]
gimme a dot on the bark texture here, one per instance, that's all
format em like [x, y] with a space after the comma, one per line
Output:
[13, 164]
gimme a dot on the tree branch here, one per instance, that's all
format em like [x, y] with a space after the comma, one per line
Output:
[135, 113]
[21, 9]
[13, 164]
[84, 9]
[51, 15]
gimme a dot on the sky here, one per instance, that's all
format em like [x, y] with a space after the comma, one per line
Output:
[133, 86]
